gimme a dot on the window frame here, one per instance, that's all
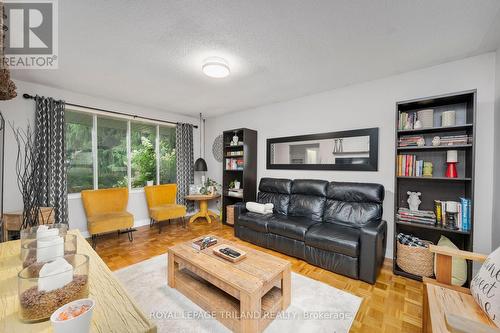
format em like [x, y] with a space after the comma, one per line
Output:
[129, 120]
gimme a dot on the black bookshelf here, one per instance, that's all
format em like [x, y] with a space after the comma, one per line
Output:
[247, 175]
[437, 187]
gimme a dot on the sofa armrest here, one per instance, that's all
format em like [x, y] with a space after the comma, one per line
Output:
[373, 242]
[239, 208]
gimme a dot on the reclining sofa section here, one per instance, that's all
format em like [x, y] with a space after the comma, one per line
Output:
[334, 225]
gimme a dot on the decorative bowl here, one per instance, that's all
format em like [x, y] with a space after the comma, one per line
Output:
[78, 324]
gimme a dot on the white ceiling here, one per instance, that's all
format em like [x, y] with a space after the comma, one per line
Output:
[150, 52]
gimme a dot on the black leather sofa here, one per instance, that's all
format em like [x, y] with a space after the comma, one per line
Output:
[334, 225]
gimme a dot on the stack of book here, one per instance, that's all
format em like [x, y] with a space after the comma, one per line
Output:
[409, 166]
[462, 218]
[418, 216]
[455, 140]
[234, 153]
[407, 120]
[237, 193]
[409, 141]
[234, 164]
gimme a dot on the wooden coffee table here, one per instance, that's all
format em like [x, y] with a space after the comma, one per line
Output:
[244, 296]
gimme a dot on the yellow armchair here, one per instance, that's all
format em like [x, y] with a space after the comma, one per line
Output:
[162, 206]
[106, 211]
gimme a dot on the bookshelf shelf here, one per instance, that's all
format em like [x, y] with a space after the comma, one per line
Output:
[437, 187]
[454, 147]
[436, 129]
[433, 227]
[467, 179]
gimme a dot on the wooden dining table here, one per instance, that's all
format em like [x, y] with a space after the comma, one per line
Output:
[115, 310]
[203, 212]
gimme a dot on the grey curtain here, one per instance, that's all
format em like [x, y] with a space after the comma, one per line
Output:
[49, 143]
[185, 161]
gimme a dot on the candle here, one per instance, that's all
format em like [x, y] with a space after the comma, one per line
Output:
[54, 275]
[44, 231]
[452, 156]
[48, 248]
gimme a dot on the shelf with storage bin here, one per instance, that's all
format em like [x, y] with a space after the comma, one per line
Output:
[437, 187]
[247, 175]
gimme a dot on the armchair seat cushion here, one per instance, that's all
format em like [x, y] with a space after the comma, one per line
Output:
[255, 221]
[107, 222]
[294, 227]
[167, 211]
[334, 238]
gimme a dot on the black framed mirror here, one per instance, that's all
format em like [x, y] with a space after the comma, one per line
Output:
[354, 150]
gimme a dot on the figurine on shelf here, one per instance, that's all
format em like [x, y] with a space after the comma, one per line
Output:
[235, 140]
[414, 200]
[436, 141]
[427, 169]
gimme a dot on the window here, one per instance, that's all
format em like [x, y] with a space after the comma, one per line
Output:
[143, 153]
[79, 151]
[167, 155]
[105, 152]
[111, 152]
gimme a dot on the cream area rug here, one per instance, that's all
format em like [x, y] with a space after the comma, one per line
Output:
[315, 306]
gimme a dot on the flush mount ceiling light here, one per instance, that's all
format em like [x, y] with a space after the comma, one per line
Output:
[215, 67]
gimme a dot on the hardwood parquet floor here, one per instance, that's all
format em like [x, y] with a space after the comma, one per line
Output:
[392, 304]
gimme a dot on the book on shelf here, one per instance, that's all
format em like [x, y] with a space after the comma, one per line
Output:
[234, 164]
[409, 166]
[409, 141]
[418, 216]
[462, 217]
[234, 153]
[237, 193]
[407, 120]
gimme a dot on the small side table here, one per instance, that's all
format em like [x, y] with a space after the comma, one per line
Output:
[203, 202]
[13, 221]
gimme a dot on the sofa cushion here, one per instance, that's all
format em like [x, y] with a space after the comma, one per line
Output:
[353, 204]
[275, 191]
[280, 201]
[275, 185]
[308, 199]
[254, 221]
[165, 212]
[289, 226]
[334, 238]
[313, 187]
[107, 222]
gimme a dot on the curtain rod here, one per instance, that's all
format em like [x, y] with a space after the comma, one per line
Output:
[28, 96]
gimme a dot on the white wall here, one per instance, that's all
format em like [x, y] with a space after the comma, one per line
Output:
[495, 235]
[372, 104]
[20, 111]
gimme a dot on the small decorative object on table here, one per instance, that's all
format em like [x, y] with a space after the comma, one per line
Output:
[44, 289]
[451, 161]
[204, 242]
[229, 253]
[427, 169]
[47, 248]
[414, 200]
[74, 317]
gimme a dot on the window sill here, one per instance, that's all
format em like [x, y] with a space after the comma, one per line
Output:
[74, 196]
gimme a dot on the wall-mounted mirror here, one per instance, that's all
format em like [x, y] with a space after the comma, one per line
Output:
[355, 150]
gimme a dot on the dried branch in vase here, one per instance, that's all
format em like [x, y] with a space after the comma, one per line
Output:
[27, 167]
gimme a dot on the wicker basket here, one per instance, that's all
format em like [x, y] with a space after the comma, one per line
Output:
[230, 214]
[415, 260]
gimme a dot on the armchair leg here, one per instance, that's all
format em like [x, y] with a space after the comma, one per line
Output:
[94, 241]
[130, 235]
[184, 222]
[151, 222]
